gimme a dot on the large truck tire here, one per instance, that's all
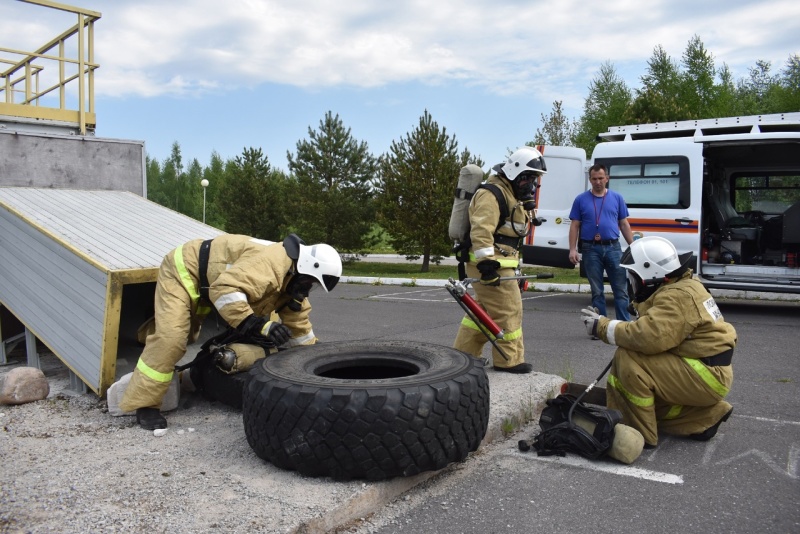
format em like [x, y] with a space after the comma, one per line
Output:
[366, 409]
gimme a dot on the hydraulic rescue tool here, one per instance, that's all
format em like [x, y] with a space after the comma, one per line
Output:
[487, 326]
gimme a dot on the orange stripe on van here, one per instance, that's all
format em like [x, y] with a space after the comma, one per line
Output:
[663, 225]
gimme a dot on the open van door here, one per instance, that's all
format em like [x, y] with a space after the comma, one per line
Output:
[548, 244]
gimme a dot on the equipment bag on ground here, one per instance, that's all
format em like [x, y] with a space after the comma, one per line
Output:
[589, 434]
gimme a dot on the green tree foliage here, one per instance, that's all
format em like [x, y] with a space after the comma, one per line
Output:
[659, 98]
[331, 200]
[170, 186]
[253, 197]
[753, 92]
[193, 191]
[216, 175]
[154, 181]
[726, 101]
[609, 97]
[692, 89]
[557, 129]
[697, 89]
[417, 179]
[786, 93]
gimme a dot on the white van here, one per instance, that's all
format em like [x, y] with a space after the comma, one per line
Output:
[726, 189]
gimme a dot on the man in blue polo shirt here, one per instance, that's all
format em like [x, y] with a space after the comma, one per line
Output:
[598, 217]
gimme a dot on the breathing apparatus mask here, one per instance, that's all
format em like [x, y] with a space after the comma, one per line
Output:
[638, 290]
[298, 289]
[524, 188]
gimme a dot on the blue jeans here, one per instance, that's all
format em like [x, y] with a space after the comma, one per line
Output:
[596, 259]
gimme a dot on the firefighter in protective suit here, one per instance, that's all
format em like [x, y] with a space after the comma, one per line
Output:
[672, 368]
[247, 279]
[494, 253]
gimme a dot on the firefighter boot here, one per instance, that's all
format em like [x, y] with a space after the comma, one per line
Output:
[711, 431]
[519, 369]
[150, 418]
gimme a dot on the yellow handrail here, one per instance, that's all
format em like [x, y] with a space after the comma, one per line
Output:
[28, 68]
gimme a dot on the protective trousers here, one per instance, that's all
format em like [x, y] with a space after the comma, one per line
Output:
[504, 305]
[176, 321]
[664, 392]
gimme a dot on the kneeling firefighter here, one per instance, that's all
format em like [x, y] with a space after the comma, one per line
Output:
[245, 279]
[500, 215]
[672, 368]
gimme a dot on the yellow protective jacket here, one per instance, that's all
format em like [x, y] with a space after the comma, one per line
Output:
[246, 276]
[484, 214]
[680, 317]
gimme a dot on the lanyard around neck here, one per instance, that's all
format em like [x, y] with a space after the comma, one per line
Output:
[594, 204]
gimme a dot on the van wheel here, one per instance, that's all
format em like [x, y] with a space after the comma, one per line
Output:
[366, 409]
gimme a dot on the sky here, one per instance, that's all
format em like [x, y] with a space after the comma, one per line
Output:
[220, 76]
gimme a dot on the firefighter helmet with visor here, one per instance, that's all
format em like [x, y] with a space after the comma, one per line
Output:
[322, 262]
[525, 160]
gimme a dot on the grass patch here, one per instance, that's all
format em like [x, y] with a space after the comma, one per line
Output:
[442, 272]
[527, 413]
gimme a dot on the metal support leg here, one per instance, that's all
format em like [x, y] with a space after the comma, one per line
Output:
[76, 385]
[30, 348]
[7, 346]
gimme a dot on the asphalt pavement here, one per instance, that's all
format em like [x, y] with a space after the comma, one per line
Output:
[726, 485]
[746, 479]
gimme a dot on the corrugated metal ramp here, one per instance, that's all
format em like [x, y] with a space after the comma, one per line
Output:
[65, 257]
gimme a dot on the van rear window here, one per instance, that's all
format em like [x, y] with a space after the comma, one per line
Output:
[650, 182]
[770, 194]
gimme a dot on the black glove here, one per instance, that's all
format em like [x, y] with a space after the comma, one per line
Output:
[273, 332]
[252, 325]
[488, 269]
[537, 221]
[276, 333]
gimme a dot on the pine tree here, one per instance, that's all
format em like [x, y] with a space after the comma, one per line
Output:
[697, 89]
[332, 197]
[417, 180]
[659, 99]
[557, 129]
[252, 198]
[605, 106]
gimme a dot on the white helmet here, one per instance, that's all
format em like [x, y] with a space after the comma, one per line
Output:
[322, 262]
[525, 159]
[652, 259]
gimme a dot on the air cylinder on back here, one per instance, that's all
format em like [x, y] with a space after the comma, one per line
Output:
[469, 179]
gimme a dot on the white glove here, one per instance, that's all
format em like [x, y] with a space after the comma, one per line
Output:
[589, 316]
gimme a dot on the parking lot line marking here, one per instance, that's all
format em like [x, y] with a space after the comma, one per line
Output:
[405, 296]
[526, 297]
[622, 470]
[768, 420]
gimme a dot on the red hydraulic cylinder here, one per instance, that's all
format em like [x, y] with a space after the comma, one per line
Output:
[482, 316]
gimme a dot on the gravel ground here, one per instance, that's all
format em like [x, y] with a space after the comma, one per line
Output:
[68, 466]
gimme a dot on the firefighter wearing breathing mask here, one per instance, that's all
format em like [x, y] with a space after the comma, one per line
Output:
[672, 369]
[494, 253]
[248, 281]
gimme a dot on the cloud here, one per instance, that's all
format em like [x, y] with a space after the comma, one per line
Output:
[151, 48]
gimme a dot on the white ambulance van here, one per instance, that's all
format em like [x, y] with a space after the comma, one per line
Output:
[727, 189]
